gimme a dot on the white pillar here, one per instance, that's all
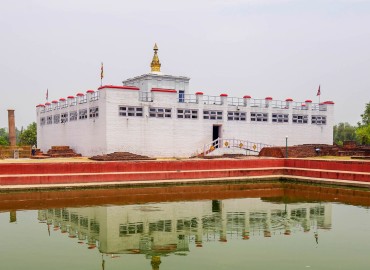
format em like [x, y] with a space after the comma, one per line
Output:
[247, 100]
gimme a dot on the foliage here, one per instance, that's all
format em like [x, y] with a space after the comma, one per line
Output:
[344, 132]
[29, 135]
[363, 130]
[366, 116]
[363, 134]
[4, 137]
[17, 135]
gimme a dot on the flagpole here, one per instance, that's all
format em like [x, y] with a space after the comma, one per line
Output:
[319, 93]
[101, 74]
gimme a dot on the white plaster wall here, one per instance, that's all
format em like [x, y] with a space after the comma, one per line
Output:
[172, 137]
[83, 136]
[148, 81]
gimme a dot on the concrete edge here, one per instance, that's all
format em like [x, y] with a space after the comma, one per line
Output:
[144, 183]
[179, 182]
[187, 171]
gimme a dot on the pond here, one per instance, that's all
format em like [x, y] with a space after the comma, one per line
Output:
[231, 226]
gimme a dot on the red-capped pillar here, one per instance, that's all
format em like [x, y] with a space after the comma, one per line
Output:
[11, 122]
[89, 94]
[268, 101]
[288, 103]
[224, 99]
[247, 100]
[308, 104]
[327, 106]
[199, 97]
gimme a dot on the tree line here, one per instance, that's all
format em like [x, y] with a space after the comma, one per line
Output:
[26, 136]
[360, 133]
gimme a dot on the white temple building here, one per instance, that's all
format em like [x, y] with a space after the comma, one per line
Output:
[170, 227]
[156, 115]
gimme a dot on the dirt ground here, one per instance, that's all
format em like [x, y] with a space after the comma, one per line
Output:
[86, 159]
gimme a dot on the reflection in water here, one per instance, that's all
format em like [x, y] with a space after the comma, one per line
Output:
[160, 229]
[263, 225]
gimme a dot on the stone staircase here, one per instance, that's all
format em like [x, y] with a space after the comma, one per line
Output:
[117, 156]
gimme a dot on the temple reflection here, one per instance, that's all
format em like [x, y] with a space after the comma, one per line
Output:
[161, 229]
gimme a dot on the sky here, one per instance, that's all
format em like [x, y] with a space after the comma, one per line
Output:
[277, 48]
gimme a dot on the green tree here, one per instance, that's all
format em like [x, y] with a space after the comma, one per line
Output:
[363, 134]
[363, 130]
[4, 137]
[29, 135]
[344, 132]
[366, 116]
[18, 135]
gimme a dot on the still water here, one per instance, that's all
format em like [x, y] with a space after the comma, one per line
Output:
[241, 226]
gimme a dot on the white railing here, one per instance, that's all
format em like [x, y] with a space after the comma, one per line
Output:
[212, 100]
[251, 148]
[279, 104]
[235, 101]
[145, 96]
[188, 98]
[82, 99]
[257, 103]
[95, 96]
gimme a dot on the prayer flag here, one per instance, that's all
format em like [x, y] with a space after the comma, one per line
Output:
[47, 94]
[318, 92]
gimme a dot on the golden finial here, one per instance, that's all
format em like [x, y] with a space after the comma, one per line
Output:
[156, 261]
[155, 65]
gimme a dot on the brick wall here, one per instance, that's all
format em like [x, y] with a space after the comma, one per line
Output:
[300, 151]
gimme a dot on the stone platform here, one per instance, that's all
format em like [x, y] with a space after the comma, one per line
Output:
[52, 175]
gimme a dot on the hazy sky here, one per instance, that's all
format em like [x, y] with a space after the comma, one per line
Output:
[278, 48]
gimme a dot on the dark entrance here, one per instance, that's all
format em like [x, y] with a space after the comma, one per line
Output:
[181, 95]
[216, 134]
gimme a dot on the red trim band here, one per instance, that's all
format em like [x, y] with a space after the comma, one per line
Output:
[329, 102]
[268, 98]
[126, 87]
[247, 96]
[224, 95]
[289, 99]
[164, 90]
[199, 93]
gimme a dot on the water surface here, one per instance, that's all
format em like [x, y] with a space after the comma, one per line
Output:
[241, 226]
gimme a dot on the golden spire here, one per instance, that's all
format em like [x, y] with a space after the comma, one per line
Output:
[155, 65]
[156, 260]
